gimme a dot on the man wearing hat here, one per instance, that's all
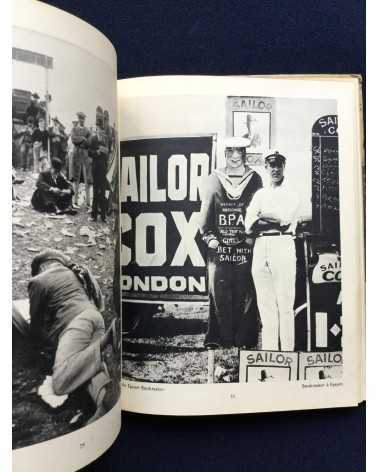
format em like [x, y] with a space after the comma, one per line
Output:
[272, 219]
[53, 193]
[80, 160]
[65, 319]
[70, 151]
[26, 148]
[40, 139]
[58, 140]
[34, 111]
[99, 152]
[232, 313]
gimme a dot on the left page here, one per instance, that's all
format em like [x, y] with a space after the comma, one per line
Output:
[66, 349]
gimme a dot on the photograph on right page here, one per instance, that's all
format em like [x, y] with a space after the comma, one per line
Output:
[230, 232]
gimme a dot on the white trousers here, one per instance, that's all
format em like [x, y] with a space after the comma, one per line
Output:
[274, 272]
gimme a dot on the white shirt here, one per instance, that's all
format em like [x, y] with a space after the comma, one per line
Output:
[277, 202]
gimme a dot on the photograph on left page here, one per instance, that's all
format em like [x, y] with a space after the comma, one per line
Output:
[66, 334]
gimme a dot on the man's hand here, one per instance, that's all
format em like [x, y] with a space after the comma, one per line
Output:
[269, 217]
[213, 244]
[250, 240]
[263, 222]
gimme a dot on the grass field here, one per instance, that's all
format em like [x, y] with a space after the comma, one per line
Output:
[33, 420]
[170, 350]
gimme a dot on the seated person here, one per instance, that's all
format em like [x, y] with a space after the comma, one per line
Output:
[54, 192]
[65, 319]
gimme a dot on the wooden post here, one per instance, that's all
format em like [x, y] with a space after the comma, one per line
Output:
[47, 110]
[210, 365]
[308, 295]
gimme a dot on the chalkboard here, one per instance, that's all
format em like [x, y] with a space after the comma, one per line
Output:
[325, 178]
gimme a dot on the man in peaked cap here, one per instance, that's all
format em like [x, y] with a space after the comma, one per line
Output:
[272, 218]
[232, 311]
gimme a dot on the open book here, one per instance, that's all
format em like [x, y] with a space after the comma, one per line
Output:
[211, 214]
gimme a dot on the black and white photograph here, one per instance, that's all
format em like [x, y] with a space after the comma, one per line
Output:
[66, 324]
[230, 240]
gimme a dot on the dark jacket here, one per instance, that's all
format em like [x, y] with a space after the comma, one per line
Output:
[46, 181]
[56, 298]
[222, 216]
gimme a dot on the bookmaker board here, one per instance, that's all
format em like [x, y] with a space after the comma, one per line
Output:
[269, 366]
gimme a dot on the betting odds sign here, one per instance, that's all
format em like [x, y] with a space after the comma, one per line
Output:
[162, 255]
[267, 366]
[325, 178]
[325, 270]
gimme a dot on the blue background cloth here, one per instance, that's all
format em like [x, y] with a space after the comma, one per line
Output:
[156, 37]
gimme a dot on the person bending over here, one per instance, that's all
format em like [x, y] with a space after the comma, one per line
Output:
[65, 318]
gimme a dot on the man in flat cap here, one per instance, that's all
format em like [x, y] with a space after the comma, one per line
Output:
[65, 319]
[232, 312]
[81, 163]
[272, 218]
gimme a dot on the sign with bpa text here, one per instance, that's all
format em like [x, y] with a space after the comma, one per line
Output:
[267, 366]
[162, 255]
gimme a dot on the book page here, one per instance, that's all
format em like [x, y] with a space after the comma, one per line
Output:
[66, 334]
[242, 244]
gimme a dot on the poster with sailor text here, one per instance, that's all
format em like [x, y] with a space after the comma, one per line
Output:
[161, 254]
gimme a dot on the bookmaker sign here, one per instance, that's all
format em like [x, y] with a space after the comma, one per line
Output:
[161, 182]
[254, 119]
[320, 365]
[267, 366]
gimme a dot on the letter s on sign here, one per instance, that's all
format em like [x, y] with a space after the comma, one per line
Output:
[250, 359]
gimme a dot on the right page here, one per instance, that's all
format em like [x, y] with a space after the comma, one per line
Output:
[242, 269]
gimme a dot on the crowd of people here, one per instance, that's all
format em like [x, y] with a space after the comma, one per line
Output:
[66, 304]
[61, 161]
